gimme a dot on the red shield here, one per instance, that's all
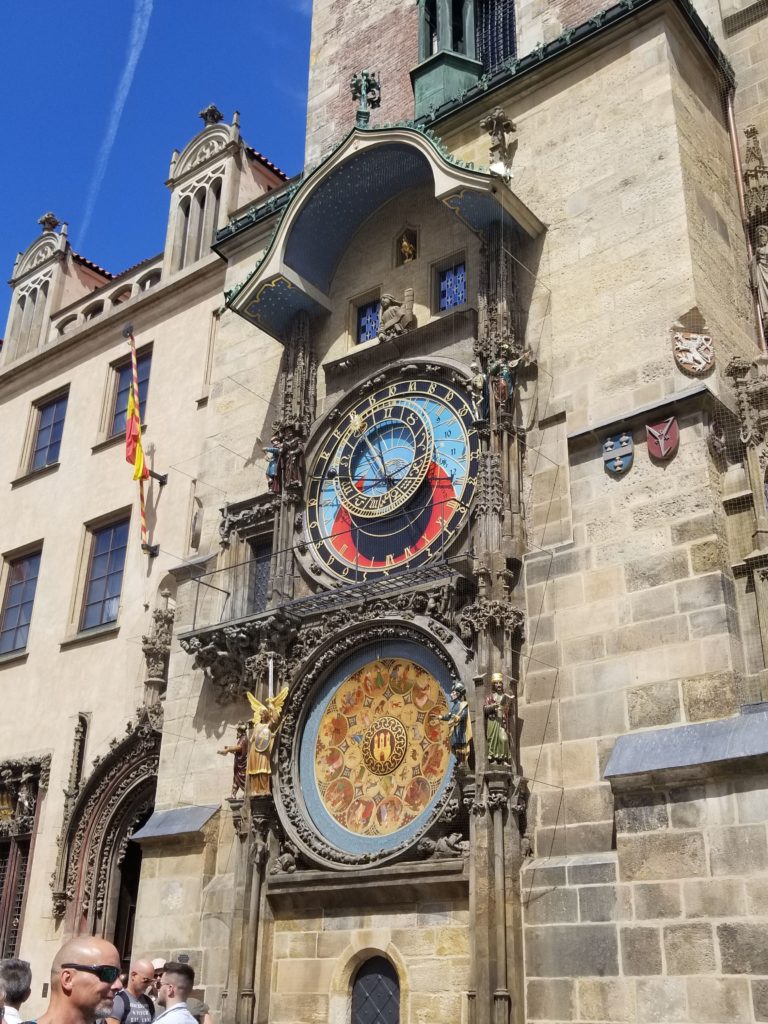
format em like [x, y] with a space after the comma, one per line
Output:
[663, 438]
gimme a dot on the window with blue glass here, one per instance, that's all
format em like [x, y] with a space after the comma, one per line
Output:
[367, 321]
[19, 598]
[105, 575]
[452, 286]
[376, 993]
[123, 372]
[48, 431]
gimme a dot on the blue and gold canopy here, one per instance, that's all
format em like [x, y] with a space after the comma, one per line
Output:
[370, 167]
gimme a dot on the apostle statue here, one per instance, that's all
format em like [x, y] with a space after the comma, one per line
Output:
[760, 271]
[496, 710]
[266, 721]
[240, 749]
[460, 724]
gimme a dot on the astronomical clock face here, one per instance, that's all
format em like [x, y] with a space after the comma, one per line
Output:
[391, 484]
[374, 755]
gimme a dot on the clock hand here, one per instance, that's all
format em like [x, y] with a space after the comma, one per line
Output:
[379, 457]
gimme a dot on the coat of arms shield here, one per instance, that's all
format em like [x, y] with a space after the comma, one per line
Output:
[694, 353]
[618, 453]
[663, 438]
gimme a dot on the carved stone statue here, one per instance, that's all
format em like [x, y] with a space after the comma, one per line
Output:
[272, 451]
[760, 271]
[496, 710]
[460, 724]
[396, 317]
[479, 387]
[499, 126]
[240, 749]
[266, 721]
[292, 466]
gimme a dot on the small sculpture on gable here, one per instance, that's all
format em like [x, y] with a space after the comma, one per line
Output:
[408, 248]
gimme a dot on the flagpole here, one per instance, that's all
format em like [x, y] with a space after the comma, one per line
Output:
[134, 410]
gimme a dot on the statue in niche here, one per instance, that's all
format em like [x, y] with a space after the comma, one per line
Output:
[496, 709]
[240, 749]
[272, 451]
[478, 385]
[760, 271]
[460, 724]
[502, 374]
[266, 721]
[291, 462]
[396, 317]
[407, 247]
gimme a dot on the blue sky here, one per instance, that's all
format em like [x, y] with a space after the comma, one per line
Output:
[71, 145]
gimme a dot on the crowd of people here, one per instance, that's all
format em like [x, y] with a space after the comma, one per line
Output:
[86, 985]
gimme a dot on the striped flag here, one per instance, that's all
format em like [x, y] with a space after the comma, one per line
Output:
[134, 452]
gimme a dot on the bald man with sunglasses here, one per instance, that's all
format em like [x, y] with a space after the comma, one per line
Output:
[85, 978]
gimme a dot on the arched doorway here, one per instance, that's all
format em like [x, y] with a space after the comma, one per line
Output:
[128, 875]
[376, 993]
[97, 875]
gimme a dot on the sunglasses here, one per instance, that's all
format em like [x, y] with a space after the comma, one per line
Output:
[104, 972]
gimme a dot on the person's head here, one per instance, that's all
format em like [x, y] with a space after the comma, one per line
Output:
[497, 682]
[458, 692]
[141, 976]
[85, 977]
[241, 729]
[176, 984]
[16, 981]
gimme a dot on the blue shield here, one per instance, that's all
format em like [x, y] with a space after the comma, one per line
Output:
[618, 453]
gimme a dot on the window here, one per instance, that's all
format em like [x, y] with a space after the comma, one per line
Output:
[19, 598]
[48, 431]
[452, 286]
[495, 32]
[376, 993]
[367, 321]
[123, 372]
[19, 798]
[105, 575]
[258, 576]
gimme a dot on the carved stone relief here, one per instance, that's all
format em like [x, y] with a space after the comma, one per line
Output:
[99, 820]
[21, 779]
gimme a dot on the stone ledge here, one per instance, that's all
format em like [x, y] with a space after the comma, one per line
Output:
[688, 753]
[425, 882]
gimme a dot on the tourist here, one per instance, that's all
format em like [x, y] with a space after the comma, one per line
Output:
[16, 980]
[175, 988]
[85, 978]
[199, 1011]
[133, 1005]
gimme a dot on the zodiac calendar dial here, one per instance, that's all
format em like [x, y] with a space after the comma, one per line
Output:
[392, 482]
[381, 751]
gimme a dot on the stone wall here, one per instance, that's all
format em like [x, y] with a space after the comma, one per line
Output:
[316, 952]
[672, 927]
[350, 37]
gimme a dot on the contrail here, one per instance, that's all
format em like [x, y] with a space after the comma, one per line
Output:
[142, 12]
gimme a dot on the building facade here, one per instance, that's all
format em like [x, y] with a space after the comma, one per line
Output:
[444, 665]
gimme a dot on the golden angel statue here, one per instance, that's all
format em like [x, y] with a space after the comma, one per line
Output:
[266, 720]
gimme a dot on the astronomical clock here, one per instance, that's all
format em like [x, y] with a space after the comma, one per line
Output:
[366, 761]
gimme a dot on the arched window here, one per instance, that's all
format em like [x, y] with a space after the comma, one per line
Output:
[376, 993]
[182, 231]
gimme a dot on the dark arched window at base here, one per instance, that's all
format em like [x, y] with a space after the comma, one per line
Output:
[376, 993]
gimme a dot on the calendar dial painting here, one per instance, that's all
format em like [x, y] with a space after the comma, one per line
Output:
[391, 484]
[381, 751]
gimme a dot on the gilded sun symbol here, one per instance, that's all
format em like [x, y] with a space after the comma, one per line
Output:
[357, 423]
